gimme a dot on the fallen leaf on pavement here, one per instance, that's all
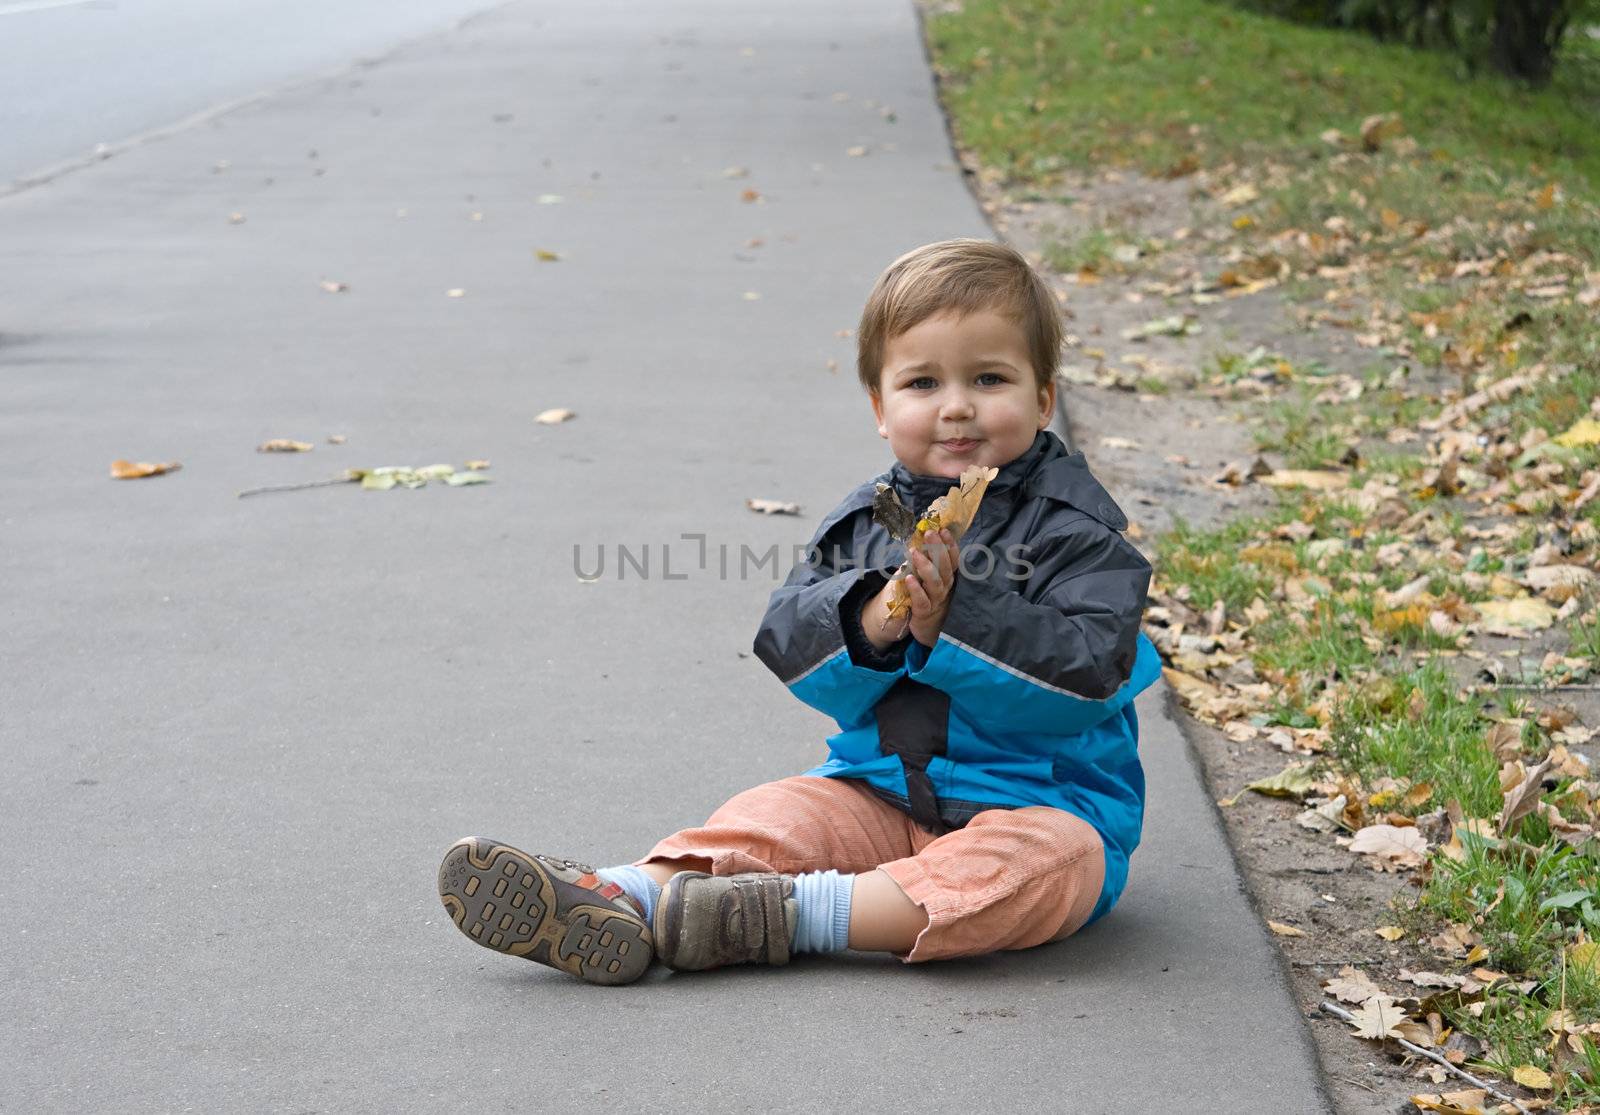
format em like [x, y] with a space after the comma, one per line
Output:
[133, 470]
[772, 506]
[1283, 930]
[284, 445]
[546, 255]
[554, 415]
[333, 286]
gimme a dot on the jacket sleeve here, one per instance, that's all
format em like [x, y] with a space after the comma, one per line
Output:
[1049, 660]
[811, 636]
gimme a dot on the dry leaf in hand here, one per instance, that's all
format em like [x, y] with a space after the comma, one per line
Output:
[283, 445]
[554, 415]
[953, 511]
[772, 506]
[133, 470]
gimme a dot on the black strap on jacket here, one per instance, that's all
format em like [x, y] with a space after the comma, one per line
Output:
[914, 723]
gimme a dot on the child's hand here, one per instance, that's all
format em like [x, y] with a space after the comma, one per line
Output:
[932, 577]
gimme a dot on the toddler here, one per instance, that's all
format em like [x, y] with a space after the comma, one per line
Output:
[984, 790]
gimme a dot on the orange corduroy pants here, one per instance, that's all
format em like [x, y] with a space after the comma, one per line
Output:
[1008, 879]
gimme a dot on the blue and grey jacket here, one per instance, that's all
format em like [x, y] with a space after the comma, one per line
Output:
[1027, 696]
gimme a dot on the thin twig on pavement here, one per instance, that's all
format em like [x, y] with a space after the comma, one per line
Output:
[1432, 1056]
[297, 487]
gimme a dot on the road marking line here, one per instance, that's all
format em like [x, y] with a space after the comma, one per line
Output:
[39, 5]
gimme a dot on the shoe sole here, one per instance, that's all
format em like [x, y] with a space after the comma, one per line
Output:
[505, 900]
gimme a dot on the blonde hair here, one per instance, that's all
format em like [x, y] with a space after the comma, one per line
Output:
[963, 276]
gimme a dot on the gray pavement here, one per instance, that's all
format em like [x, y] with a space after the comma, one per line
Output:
[237, 735]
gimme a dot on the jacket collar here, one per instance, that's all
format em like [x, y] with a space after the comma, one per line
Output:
[1044, 469]
[1017, 473]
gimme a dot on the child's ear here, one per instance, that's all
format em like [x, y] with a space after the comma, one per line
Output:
[1047, 403]
[877, 412]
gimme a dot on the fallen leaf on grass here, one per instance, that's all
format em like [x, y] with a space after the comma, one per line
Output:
[1521, 799]
[1379, 127]
[1293, 781]
[1531, 1076]
[284, 445]
[1352, 985]
[1585, 432]
[1390, 932]
[1516, 616]
[1178, 325]
[772, 506]
[554, 415]
[1379, 1018]
[1319, 479]
[1404, 847]
[133, 470]
[1468, 1101]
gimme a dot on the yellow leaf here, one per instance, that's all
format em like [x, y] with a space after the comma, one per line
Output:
[554, 415]
[1526, 613]
[1390, 932]
[1319, 479]
[477, 466]
[1283, 930]
[1531, 1076]
[1585, 432]
[1243, 222]
[545, 255]
[133, 470]
[1391, 623]
[1584, 954]
[283, 445]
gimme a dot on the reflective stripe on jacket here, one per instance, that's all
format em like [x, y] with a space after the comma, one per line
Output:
[1026, 698]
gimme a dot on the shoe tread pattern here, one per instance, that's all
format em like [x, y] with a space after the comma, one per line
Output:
[512, 902]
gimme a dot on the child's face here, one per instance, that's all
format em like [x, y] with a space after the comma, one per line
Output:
[946, 379]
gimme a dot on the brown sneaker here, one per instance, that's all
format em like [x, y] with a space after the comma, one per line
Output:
[705, 921]
[554, 911]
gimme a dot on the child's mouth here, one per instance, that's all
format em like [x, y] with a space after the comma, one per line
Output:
[960, 445]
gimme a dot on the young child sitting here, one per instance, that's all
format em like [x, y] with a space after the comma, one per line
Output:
[984, 790]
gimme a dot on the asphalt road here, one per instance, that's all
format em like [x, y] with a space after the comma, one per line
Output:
[236, 735]
[76, 74]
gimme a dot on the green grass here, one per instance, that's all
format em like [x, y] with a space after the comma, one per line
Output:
[1038, 86]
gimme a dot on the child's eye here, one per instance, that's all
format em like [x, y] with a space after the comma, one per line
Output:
[996, 376]
[920, 380]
